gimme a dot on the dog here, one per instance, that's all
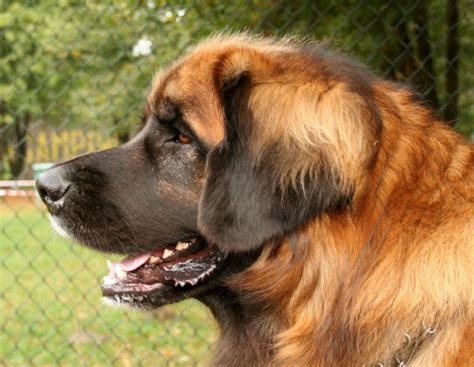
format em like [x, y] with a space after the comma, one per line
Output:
[325, 216]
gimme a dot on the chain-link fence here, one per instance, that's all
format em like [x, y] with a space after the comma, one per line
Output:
[73, 78]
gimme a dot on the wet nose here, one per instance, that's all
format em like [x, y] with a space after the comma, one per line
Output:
[52, 187]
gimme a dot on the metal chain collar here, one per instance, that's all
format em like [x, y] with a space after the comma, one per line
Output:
[407, 352]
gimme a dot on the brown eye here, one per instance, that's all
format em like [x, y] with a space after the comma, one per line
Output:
[184, 139]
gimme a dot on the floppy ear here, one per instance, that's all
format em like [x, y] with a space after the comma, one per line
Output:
[249, 196]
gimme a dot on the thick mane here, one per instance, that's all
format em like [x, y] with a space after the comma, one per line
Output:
[349, 286]
[346, 288]
[360, 199]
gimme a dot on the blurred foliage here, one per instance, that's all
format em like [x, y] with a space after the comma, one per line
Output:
[72, 63]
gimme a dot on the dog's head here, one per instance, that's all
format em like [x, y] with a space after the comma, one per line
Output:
[245, 140]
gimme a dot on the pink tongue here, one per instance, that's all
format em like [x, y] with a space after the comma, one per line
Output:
[131, 263]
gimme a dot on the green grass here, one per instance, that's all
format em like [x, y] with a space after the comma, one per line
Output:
[51, 313]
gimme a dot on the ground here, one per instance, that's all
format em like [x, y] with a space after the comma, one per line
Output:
[51, 311]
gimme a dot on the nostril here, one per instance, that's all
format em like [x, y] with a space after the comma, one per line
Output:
[51, 187]
[42, 193]
[57, 192]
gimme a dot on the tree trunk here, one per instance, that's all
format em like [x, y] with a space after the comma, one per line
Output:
[426, 78]
[452, 59]
[410, 58]
[123, 136]
[19, 143]
[398, 62]
[408, 65]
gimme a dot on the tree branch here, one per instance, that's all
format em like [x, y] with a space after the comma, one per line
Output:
[452, 59]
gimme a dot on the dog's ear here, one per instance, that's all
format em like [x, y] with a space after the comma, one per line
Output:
[261, 182]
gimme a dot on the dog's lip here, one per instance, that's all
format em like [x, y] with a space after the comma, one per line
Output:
[131, 289]
[137, 278]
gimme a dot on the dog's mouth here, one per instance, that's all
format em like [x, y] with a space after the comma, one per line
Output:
[165, 275]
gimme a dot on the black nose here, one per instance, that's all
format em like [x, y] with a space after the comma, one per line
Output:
[52, 187]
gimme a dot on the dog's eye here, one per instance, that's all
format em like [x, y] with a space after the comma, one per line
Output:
[183, 139]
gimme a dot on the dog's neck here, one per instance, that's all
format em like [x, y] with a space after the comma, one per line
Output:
[246, 335]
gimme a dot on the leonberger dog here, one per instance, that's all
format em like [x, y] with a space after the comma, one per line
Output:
[325, 216]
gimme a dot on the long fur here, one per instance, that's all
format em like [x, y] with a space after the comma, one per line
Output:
[338, 283]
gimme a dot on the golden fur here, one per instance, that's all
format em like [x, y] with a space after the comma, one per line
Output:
[343, 288]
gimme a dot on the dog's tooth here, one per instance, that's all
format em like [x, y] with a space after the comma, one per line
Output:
[167, 253]
[154, 259]
[180, 246]
[194, 281]
[109, 280]
[121, 274]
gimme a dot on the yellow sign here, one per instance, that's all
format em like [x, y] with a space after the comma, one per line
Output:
[52, 146]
